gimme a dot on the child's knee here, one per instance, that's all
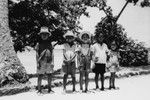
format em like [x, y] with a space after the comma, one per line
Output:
[73, 77]
[40, 75]
[49, 74]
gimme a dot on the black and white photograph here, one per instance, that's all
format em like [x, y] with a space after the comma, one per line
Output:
[74, 49]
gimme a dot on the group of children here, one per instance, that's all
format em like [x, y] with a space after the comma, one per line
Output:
[78, 56]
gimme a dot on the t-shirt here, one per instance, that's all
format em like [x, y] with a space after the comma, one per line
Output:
[69, 51]
[100, 52]
[84, 49]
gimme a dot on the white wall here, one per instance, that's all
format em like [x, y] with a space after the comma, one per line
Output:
[28, 59]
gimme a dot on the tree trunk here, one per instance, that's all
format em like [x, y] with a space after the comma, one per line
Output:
[11, 69]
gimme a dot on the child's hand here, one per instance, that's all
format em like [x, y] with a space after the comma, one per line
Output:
[38, 66]
[48, 59]
[62, 72]
[107, 69]
[65, 61]
[52, 65]
[118, 68]
[96, 59]
[77, 70]
[108, 64]
[93, 66]
[89, 70]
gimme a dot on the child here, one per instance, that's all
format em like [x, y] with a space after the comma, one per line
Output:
[100, 53]
[113, 64]
[44, 57]
[84, 57]
[69, 52]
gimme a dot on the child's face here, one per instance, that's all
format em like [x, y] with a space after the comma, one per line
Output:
[100, 38]
[69, 38]
[113, 46]
[85, 37]
[44, 36]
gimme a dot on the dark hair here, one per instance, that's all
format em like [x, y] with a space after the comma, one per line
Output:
[98, 35]
[111, 40]
[84, 35]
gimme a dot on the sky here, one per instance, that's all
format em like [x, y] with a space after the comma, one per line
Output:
[135, 20]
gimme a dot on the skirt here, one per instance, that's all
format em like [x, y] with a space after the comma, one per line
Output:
[45, 68]
[45, 63]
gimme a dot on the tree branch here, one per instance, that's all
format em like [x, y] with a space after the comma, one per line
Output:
[122, 10]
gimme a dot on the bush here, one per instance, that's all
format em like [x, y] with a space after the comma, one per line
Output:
[132, 53]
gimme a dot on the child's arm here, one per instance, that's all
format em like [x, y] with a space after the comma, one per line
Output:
[118, 56]
[37, 55]
[77, 52]
[107, 54]
[108, 57]
[52, 59]
[64, 56]
[93, 54]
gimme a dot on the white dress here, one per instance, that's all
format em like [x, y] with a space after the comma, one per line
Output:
[113, 63]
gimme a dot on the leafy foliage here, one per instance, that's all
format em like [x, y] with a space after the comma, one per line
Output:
[143, 3]
[131, 53]
[27, 16]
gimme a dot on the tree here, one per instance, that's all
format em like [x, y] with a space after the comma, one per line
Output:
[11, 69]
[131, 53]
[145, 3]
[27, 16]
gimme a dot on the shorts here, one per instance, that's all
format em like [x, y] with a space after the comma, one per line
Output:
[85, 63]
[99, 68]
[69, 68]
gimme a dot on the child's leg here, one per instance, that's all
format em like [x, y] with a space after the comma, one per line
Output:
[86, 80]
[102, 81]
[49, 82]
[113, 80]
[74, 82]
[39, 82]
[110, 81]
[65, 81]
[81, 80]
[96, 80]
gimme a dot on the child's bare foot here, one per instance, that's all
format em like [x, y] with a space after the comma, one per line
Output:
[114, 87]
[97, 87]
[74, 90]
[86, 90]
[110, 88]
[102, 89]
[81, 89]
[50, 91]
[39, 93]
[64, 90]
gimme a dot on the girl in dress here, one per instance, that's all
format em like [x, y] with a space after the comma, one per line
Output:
[44, 58]
[84, 58]
[113, 64]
